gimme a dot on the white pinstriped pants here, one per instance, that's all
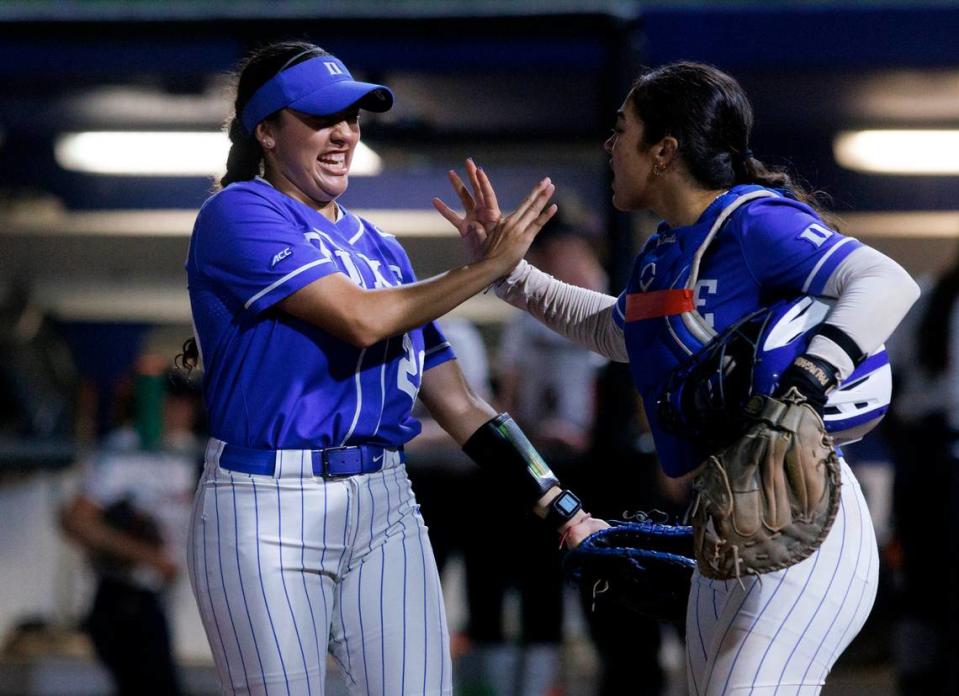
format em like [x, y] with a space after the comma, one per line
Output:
[781, 634]
[286, 568]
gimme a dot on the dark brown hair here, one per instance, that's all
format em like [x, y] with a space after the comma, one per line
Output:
[246, 156]
[711, 118]
[243, 162]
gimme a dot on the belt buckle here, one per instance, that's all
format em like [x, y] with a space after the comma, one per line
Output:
[325, 461]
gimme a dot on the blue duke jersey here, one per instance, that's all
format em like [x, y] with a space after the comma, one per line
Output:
[271, 380]
[770, 248]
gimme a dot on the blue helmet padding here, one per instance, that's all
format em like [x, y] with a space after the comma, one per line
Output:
[862, 398]
[704, 398]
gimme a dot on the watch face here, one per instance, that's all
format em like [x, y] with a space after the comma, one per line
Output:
[566, 503]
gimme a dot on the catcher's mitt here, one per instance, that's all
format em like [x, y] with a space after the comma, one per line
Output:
[642, 566]
[768, 500]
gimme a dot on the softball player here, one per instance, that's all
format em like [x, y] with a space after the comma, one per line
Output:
[735, 237]
[316, 339]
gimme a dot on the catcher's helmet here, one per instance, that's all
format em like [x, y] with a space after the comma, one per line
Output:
[858, 403]
[704, 398]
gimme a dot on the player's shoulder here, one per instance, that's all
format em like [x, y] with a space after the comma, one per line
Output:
[769, 212]
[662, 235]
[237, 200]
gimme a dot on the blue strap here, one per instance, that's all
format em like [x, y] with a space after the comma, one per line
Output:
[329, 462]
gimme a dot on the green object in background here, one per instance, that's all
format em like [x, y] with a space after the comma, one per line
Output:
[477, 690]
[149, 410]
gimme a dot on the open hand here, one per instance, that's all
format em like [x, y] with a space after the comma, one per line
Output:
[484, 230]
[481, 209]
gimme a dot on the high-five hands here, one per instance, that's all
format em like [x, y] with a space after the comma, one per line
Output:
[486, 233]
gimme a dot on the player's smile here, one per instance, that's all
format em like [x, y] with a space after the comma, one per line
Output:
[337, 163]
[312, 155]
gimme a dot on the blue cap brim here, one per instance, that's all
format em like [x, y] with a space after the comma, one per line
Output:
[339, 96]
[321, 86]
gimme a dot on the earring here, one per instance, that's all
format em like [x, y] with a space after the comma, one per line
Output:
[659, 169]
[268, 143]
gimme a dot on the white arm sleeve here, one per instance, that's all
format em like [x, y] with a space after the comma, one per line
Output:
[873, 294]
[583, 316]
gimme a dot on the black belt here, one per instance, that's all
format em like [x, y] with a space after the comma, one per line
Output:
[331, 462]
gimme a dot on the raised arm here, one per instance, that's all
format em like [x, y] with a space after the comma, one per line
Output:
[364, 317]
[583, 316]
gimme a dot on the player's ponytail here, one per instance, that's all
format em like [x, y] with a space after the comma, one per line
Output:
[245, 159]
[755, 172]
[710, 116]
[246, 155]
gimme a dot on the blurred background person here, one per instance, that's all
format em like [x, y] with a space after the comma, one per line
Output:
[131, 516]
[548, 385]
[442, 474]
[925, 437]
[436, 463]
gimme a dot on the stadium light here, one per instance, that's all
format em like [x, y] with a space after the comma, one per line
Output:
[165, 153]
[908, 152]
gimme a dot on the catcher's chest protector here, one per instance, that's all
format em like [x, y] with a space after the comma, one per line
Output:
[664, 291]
[663, 326]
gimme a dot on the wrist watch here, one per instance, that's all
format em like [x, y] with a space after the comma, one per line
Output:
[562, 508]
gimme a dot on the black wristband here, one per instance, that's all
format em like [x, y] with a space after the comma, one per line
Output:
[841, 339]
[500, 446]
[562, 509]
[813, 377]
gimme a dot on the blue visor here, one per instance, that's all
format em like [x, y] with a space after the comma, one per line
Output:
[319, 86]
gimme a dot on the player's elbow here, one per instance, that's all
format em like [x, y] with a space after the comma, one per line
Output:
[376, 317]
[359, 317]
[362, 331]
[895, 279]
[901, 290]
[363, 339]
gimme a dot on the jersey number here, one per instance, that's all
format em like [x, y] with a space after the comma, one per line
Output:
[409, 367]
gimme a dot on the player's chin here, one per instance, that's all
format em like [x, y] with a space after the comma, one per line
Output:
[619, 204]
[626, 201]
[333, 186]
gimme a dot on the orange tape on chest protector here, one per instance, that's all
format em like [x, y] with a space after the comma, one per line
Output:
[661, 303]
